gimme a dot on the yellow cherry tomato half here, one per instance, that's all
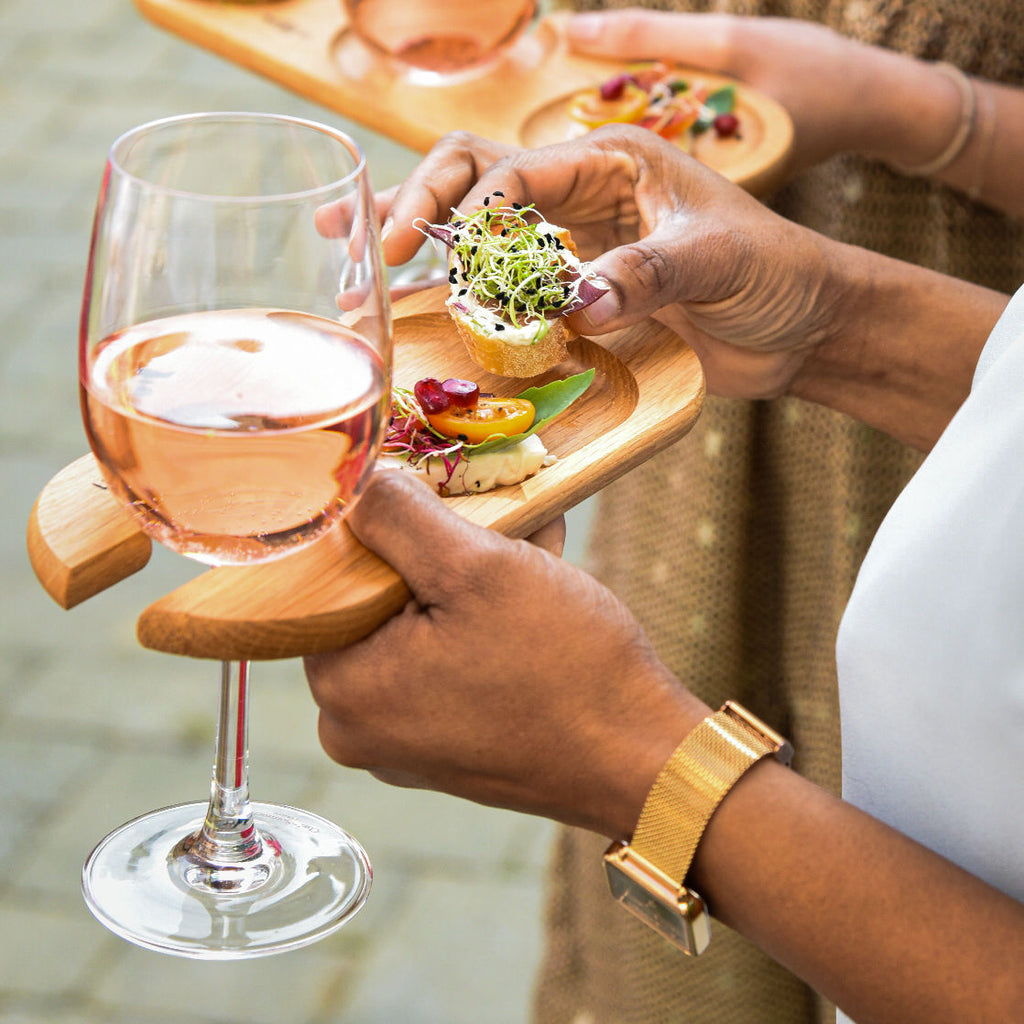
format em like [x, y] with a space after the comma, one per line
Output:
[588, 108]
[489, 416]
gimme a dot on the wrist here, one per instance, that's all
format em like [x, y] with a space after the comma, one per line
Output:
[641, 750]
[920, 115]
[900, 346]
[856, 368]
[847, 286]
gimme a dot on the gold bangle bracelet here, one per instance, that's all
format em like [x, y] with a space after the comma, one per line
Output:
[986, 136]
[964, 127]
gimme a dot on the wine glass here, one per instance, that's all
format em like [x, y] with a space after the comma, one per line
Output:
[234, 363]
[433, 42]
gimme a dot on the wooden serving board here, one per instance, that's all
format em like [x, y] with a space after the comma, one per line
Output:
[304, 46]
[646, 394]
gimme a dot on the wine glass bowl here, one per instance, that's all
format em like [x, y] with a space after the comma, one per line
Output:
[439, 40]
[235, 373]
[227, 404]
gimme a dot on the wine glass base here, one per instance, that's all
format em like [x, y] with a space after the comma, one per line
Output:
[134, 885]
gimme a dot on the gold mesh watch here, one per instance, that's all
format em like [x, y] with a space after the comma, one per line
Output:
[647, 875]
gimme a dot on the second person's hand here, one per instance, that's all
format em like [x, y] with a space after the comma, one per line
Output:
[751, 292]
[843, 95]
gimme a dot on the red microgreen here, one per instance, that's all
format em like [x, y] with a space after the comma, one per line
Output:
[411, 437]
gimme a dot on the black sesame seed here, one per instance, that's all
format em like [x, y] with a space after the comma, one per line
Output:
[502, 194]
[517, 206]
[499, 327]
[487, 200]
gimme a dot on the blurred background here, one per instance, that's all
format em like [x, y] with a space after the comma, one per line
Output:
[95, 730]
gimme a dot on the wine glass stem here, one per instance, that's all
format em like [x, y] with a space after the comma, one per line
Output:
[229, 818]
[228, 854]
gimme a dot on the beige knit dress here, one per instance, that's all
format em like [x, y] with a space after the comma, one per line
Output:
[738, 548]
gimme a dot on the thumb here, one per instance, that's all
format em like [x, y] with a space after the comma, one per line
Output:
[645, 276]
[693, 39]
[403, 521]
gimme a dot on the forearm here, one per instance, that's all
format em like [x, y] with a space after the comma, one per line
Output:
[884, 927]
[904, 345]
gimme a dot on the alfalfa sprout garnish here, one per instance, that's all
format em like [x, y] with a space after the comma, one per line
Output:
[514, 263]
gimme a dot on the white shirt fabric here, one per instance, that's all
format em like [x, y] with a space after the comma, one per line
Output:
[931, 647]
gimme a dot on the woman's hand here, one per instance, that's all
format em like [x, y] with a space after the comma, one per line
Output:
[843, 95]
[511, 678]
[752, 293]
[769, 307]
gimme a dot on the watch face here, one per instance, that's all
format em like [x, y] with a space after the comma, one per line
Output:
[678, 915]
[667, 921]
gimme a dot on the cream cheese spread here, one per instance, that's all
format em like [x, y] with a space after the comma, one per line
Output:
[482, 471]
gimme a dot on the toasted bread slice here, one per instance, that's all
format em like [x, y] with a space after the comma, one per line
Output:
[539, 265]
[487, 349]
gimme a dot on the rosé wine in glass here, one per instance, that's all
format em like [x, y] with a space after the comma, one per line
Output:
[235, 435]
[440, 36]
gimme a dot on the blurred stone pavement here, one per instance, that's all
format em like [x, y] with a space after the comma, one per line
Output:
[95, 730]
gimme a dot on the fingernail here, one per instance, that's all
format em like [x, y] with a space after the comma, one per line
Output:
[584, 28]
[386, 229]
[603, 309]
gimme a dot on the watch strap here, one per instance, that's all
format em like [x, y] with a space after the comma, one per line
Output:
[648, 875]
[695, 780]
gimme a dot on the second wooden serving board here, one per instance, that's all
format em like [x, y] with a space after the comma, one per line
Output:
[306, 46]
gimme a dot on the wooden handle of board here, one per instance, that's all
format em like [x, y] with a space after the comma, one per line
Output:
[329, 595]
[80, 539]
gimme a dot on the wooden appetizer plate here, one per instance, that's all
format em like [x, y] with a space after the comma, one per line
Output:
[304, 45]
[646, 394]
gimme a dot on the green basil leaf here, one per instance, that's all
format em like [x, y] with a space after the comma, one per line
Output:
[721, 101]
